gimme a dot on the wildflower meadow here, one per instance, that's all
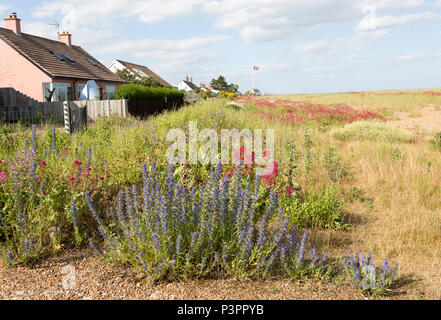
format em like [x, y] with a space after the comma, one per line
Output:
[111, 191]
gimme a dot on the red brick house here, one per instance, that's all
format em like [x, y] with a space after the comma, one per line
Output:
[37, 66]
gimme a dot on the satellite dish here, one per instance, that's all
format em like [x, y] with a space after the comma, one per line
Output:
[90, 91]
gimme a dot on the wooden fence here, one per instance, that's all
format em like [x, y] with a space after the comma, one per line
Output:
[15, 106]
[77, 113]
[147, 107]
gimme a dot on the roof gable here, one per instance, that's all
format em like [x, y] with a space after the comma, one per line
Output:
[143, 71]
[46, 54]
[191, 85]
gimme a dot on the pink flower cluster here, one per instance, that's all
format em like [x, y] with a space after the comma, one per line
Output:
[300, 112]
[268, 180]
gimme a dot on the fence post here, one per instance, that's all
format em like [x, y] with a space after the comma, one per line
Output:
[67, 128]
[125, 107]
[86, 114]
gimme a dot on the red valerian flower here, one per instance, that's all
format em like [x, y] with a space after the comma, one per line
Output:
[43, 163]
[71, 178]
[101, 178]
[88, 169]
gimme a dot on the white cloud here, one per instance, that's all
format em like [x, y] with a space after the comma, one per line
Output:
[3, 8]
[40, 29]
[103, 11]
[390, 21]
[172, 56]
[438, 3]
[254, 20]
[321, 69]
[268, 20]
[157, 48]
[325, 47]
[90, 38]
[387, 5]
[315, 48]
[411, 57]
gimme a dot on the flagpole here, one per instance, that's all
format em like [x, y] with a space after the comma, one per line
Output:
[252, 84]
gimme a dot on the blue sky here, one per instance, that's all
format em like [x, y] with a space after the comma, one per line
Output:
[300, 46]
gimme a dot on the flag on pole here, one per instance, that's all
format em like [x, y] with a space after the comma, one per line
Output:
[255, 68]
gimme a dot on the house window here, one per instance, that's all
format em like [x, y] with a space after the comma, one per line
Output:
[61, 92]
[110, 92]
[141, 73]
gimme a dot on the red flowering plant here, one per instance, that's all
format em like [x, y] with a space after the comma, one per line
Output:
[270, 180]
[300, 112]
[36, 192]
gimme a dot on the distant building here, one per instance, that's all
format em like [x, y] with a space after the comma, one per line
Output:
[205, 87]
[187, 84]
[255, 92]
[137, 70]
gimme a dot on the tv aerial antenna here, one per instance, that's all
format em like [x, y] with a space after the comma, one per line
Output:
[57, 25]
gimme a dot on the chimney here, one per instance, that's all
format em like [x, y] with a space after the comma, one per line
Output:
[186, 77]
[13, 23]
[191, 79]
[65, 37]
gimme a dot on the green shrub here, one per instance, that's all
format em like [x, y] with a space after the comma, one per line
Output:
[317, 209]
[372, 131]
[136, 91]
[436, 140]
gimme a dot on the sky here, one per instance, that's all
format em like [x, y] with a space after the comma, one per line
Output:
[308, 46]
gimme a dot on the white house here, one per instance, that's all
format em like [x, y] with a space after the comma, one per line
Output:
[255, 92]
[187, 84]
[137, 70]
[205, 87]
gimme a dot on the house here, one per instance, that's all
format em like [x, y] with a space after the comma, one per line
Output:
[187, 84]
[137, 70]
[205, 87]
[254, 92]
[49, 70]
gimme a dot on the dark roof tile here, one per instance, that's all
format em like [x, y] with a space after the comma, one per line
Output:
[132, 67]
[38, 51]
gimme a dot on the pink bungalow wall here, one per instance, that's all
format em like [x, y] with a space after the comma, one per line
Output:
[18, 73]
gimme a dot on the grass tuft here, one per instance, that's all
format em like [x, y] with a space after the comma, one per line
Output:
[372, 131]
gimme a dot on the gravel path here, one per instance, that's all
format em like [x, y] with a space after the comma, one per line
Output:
[80, 275]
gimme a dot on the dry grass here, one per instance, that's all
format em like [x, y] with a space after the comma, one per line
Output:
[409, 101]
[406, 209]
[402, 218]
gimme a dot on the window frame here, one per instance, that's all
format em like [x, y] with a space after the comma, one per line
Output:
[57, 86]
[107, 91]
